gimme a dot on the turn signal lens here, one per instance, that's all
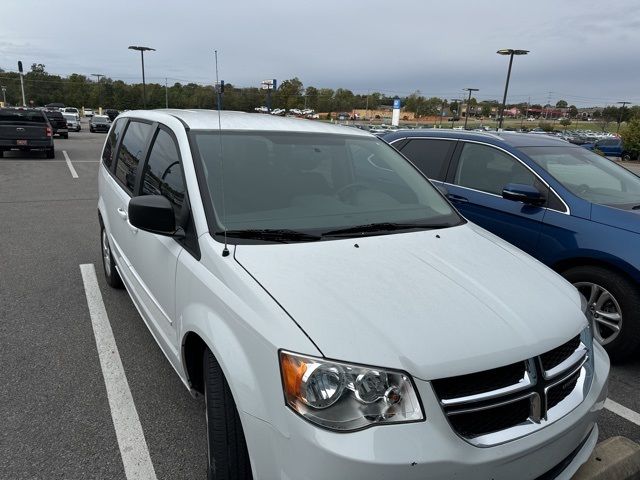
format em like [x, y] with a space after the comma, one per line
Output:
[347, 397]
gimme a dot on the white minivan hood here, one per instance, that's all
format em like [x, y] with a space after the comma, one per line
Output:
[433, 303]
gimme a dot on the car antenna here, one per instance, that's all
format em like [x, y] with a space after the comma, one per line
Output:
[219, 90]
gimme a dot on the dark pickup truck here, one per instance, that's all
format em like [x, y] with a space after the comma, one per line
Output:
[58, 123]
[25, 129]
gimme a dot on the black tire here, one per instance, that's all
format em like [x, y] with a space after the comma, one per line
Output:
[111, 275]
[626, 157]
[51, 153]
[626, 294]
[228, 454]
[66, 135]
[1, 153]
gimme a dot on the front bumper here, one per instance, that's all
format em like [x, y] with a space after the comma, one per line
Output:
[426, 450]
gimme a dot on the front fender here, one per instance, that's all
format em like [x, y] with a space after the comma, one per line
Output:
[242, 326]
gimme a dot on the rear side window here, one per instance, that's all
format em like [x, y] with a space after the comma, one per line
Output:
[110, 145]
[163, 173]
[131, 152]
[430, 156]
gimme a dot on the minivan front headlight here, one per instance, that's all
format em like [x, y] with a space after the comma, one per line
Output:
[345, 397]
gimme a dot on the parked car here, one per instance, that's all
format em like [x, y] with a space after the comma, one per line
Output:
[571, 209]
[73, 121]
[341, 319]
[73, 110]
[99, 123]
[58, 123]
[88, 112]
[25, 129]
[612, 147]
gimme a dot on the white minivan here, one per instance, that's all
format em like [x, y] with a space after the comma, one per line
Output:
[340, 317]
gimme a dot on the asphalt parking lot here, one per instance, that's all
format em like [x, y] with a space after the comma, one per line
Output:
[55, 414]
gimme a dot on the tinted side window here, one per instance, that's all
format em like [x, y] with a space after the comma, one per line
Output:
[430, 156]
[130, 153]
[110, 145]
[488, 169]
[163, 173]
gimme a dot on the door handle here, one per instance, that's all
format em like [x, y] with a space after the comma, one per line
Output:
[122, 214]
[457, 198]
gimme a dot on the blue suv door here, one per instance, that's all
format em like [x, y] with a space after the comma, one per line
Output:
[475, 181]
[611, 147]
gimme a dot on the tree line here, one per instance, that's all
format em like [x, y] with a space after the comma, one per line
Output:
[79, 90]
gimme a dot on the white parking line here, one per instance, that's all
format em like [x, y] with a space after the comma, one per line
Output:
[74, 174]
[623, 411]
[131, 441]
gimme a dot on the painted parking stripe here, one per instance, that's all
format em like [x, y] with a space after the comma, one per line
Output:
[133, 446]
[74, 174]
[622, 411]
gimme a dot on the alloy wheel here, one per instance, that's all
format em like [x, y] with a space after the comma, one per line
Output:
[604, 310]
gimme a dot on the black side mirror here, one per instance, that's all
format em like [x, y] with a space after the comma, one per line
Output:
[153, 213]
[519, 192]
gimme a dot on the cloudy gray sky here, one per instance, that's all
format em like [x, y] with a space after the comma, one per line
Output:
[584, 51]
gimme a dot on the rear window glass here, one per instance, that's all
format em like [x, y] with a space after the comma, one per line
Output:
[131, 152]
[110, 144]
[21, 116]
[430, 156]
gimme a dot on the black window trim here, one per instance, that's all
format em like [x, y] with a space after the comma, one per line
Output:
[454, 164]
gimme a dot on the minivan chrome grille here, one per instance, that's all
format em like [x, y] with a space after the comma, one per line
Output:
[495, 406]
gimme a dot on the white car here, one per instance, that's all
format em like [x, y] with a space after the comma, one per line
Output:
[88, 112]
[339, 316]
[73, 110]
[73, 121]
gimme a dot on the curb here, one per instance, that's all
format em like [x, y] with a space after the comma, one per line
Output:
[617, 458]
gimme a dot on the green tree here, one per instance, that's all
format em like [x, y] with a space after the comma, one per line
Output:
[573, 111]
[289, 93]
[561, 104]
[630, 135]
[565, 122]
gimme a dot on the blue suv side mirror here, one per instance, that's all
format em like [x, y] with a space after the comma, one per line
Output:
[519, 192]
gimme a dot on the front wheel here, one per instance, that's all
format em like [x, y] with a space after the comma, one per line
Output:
[111, 275]
[614, 305]
[227, 449]
[626, 157]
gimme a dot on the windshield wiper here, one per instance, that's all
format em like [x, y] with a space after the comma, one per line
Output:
[273, 235]
[383, 227]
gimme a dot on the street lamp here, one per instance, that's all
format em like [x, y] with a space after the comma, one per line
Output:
[466, 117]
[144, 87]
[620, 115]
[99, 91]
[4, 95]
[511, 52]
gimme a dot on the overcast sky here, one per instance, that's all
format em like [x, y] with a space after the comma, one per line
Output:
[584, 51]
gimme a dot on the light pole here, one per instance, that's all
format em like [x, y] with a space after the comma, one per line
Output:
[4, 95]
[144, 87]
[99, 75]
[620, 115]
[511, 52]
[466, 116]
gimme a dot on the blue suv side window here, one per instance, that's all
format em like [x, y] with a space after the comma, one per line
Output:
[488, 169]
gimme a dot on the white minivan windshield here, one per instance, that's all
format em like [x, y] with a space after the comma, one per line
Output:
[319, 185]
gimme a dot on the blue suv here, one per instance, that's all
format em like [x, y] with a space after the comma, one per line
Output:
[611, 147]
[573, 210]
